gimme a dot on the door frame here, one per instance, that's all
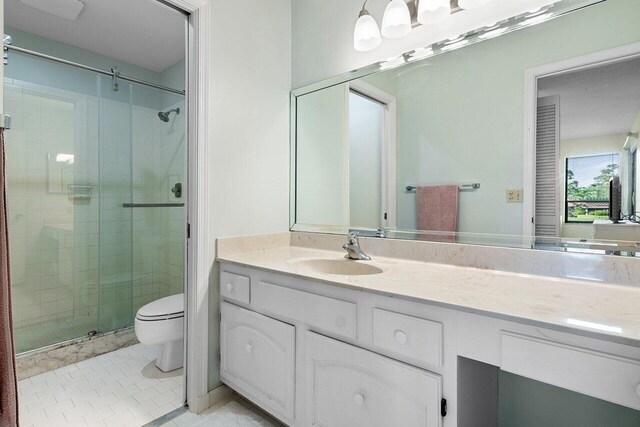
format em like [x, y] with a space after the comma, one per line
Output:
[199, 254]
[388, 155]
[199, 243]
[531, 77]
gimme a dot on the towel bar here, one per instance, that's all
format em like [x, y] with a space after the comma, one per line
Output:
[474, 186]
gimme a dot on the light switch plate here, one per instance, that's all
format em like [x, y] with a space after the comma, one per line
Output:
[514, 195]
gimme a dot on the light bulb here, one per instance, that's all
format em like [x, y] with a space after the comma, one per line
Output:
[472, 4]
[396, 21]
[433, 11]
[366, 34]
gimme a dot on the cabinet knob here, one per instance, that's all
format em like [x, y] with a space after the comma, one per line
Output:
[401, 337]
[229, 287]
[248, 347]
[358, 399]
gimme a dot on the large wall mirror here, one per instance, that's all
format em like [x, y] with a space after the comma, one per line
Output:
[507, 134]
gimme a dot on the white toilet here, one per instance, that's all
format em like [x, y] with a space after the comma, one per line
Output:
[161, 322]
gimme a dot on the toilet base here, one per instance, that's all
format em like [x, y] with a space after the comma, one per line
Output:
[170, 356]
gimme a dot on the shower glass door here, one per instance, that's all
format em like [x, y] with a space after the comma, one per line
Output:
[53, 196]
[96, 199]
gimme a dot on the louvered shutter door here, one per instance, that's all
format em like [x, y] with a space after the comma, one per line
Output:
[547, 220]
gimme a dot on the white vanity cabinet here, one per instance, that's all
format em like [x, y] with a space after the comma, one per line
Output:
[350, 387]
[312, 353]
[313, 356]
[258, 357]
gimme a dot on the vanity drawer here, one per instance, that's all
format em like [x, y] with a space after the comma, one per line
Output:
[415, 340]
[328, 314]
[235, 286]
[604, 376]
[258, 358]
[348, 386]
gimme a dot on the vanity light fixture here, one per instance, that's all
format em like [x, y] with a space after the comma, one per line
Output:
[396, 21]
[433, 11]
[366, 35]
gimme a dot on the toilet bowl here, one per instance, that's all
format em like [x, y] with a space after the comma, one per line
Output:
[161, 322]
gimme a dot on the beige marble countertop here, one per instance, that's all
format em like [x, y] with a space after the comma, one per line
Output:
[601, 310]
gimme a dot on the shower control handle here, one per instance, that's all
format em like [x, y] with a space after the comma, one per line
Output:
[177, 190]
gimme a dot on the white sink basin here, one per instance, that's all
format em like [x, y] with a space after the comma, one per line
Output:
[342, 267]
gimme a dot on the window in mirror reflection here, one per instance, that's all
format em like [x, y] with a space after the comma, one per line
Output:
[587, 187]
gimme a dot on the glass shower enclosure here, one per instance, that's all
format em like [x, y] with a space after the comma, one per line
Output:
[96, 194]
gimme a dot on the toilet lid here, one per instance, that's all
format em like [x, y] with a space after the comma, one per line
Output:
[173, 305]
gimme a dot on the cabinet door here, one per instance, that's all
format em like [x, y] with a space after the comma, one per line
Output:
[257, 358]
[348, 386]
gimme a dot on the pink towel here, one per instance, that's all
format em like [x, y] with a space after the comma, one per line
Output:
[437, 207]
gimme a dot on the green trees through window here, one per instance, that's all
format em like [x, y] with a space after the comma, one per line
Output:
[587, 187]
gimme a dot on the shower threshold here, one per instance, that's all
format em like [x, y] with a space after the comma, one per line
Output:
[51, 357]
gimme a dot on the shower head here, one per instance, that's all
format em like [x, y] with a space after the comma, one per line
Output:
[164, 115]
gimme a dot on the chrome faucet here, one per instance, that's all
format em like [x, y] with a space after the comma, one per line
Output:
[354, 251]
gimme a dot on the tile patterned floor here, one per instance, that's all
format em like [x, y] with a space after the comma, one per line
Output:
[122, 388]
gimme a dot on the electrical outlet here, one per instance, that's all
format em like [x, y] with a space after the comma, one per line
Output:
[514, 195]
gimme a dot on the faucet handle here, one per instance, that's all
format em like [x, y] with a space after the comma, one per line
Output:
[354, 238]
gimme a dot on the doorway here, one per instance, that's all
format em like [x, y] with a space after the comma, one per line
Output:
[97, 188]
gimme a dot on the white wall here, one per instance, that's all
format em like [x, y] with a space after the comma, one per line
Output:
[249, 127]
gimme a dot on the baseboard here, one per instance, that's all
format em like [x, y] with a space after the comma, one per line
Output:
[214, 396]
[219, 394]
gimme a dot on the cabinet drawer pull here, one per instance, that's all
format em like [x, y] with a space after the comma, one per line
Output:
[401, 337]
[638, 389]
[358, 399]
[229, 287]
[248, 347]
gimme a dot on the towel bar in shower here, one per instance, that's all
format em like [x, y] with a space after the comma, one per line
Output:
[474, 186]
[152, 205]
